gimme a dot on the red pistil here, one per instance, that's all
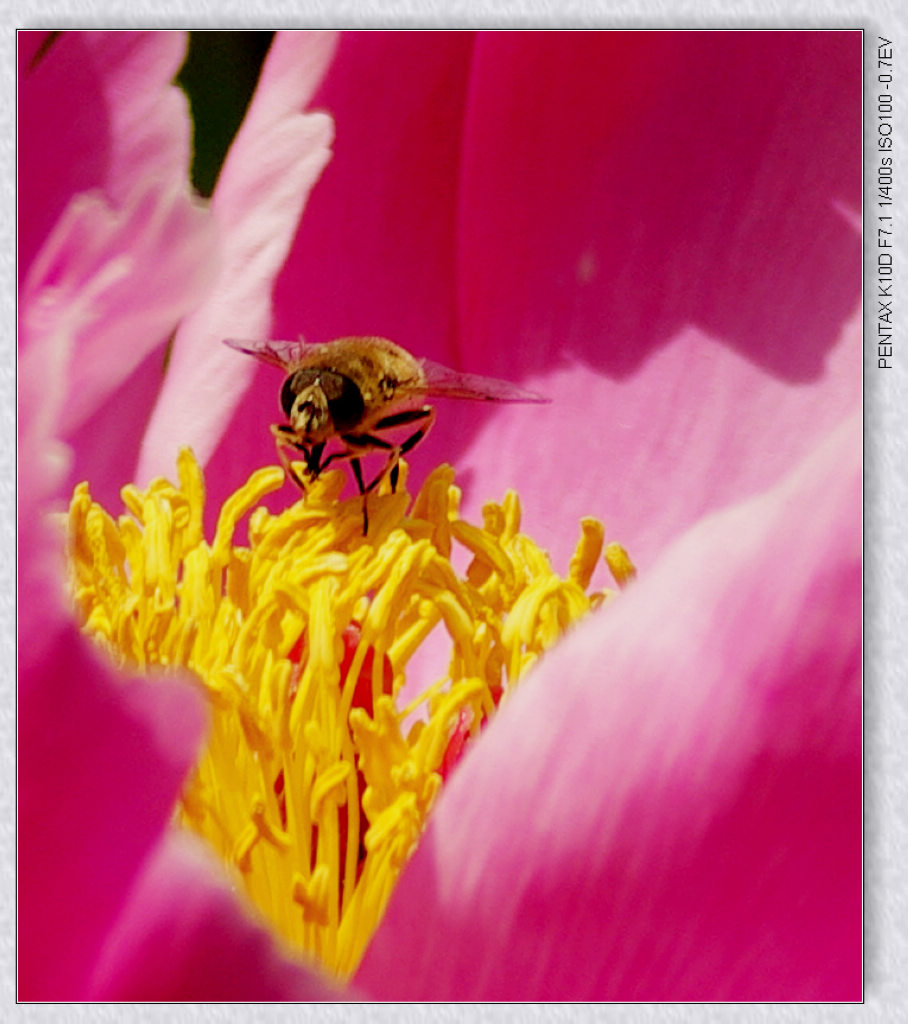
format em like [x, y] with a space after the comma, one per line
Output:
[362, 698]
[457, 744]
[461, 737]
[362, 693]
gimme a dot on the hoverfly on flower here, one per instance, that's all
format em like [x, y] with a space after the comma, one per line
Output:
[357, 389]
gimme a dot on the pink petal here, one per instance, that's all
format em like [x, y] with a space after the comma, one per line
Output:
[101, 760]
[108, 286]
[670, 809]
[96, 110]
[184, 936]
[122, 415]
[275, 161]
[112, 246]
[112, 905]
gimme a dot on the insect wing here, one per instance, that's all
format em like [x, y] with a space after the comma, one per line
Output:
[284, 354]
[443, 382]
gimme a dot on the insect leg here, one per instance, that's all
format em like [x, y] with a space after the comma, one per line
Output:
[428, 414]
[358, 473]
[345, 454]
[284, 442]
[314, 459]
[366, 441]
[397, 419]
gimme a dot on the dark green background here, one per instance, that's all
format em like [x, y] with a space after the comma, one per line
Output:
[219, 76]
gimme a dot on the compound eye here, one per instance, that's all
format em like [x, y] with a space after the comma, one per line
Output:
[345, 400]
[295, 384]
[288, 394]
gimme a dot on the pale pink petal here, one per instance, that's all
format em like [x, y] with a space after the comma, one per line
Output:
[696, 427]
[150, 125]
[273, 164]
[98, 458]
[186, 935]
[101, 759]
[670, 808]
[97, 110]
[109, 285]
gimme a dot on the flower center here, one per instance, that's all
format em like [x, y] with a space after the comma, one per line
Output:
[320, 769]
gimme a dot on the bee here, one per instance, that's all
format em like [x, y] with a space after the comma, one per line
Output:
[355, 390]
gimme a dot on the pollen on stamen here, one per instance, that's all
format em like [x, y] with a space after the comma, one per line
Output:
[325, 755]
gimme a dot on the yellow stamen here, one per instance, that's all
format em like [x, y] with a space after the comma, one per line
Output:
[318, 773]
[620, 564]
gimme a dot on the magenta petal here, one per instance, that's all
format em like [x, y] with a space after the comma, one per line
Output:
[184, 936]
[618, 187]
[101, 761]
[636, 239]
[375, 254]
[670, 809]
[273, 164]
